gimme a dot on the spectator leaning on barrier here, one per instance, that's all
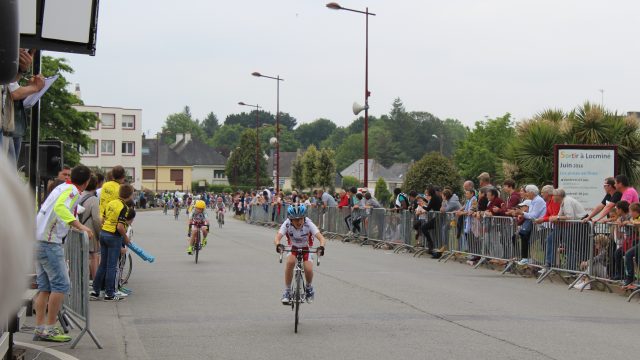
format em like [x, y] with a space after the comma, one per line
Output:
[496, 204]
[623, 239]
[536, 210]
[612, 196]
[629, 194]
[450, 202]
[509, 188]
[572, 235]
[402, 201]
[553, 208]
[435, 203]
[55, 217]
[464, 216]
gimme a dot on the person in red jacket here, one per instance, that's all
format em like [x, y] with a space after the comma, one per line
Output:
[344, 199]
[496, 204]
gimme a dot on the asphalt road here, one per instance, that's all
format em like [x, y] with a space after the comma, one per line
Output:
[370, 304]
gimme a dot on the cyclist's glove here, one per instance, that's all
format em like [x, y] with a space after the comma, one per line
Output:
[320, 250]
[279, 248]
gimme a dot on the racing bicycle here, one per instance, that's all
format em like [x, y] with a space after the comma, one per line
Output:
[297, 291]
[197, 246]
[220, 218]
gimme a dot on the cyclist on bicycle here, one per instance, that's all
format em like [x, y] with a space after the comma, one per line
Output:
[220, 208]
[198, 218]
[299, 231]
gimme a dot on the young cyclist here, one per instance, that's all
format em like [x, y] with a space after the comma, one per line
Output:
[220, 208]
[299, 231]
[198, 217]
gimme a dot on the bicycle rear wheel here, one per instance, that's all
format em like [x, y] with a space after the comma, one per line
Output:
[197, 244]
[126, 267]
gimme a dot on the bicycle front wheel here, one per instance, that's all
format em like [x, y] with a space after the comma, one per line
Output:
[298, 299]
[197, 245]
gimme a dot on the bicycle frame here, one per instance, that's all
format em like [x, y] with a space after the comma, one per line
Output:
[297, 291]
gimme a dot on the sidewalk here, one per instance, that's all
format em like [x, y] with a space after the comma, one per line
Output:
[112, 324]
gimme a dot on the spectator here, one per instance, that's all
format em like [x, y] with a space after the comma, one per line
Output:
[18, 94]
[413, 203]
[326, 200]
[536, 210]
[509, 188]
[465, 214]
[55, 217]
[629, 194]
[631, 252]
[90, 217]
[112, 236]
[435, 203]
[570, 234]
[623, 239]
[553, 208]
[344, 199]
[402, 201]
[611, 197]
[495, 206]
[450, 202]
[484, 180]
[111, 188]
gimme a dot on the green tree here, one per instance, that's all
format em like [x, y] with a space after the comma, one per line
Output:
[484, 147]
[432, 169]
[349, 182]
[241, 165]
[315, 132]
[382, 192]
[248, 120]
[336, 138]
[310, 166]
[227, 138]
[59, 120]
[326, 168]
[288, 141]
[180, 123]
[384, 151]
[297, 173]
[210, 125]
[349, 151]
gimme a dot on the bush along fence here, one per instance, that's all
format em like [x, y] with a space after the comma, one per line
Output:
[582, 254]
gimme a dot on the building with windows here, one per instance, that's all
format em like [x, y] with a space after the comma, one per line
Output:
[116, 139]
[178, 165]
[393, 176]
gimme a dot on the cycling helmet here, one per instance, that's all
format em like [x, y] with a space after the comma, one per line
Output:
[200, 204]
[296, 211]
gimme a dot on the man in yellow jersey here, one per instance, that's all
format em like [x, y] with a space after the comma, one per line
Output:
[112, 235]
[111, 189]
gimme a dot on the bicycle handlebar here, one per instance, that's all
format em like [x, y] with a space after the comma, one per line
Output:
[290, 249]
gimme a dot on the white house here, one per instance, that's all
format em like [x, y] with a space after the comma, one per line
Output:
[115, 140]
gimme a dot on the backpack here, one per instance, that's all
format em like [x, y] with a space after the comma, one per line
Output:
[81, 202]
[402, 197]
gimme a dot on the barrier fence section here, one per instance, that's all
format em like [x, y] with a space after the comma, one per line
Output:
[589, 252]
[76, 304]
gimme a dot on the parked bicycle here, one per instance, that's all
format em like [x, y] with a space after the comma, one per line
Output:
[298, 294]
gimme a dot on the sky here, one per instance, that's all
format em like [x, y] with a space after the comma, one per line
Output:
[461, 59]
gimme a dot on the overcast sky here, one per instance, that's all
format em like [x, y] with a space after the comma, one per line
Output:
[462, 59]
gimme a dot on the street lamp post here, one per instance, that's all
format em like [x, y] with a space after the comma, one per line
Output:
[336, 6]
[257, 144]
[277, 79]
[441, 138]
[157, 150]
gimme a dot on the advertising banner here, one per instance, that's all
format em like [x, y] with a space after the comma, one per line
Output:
[581, 169]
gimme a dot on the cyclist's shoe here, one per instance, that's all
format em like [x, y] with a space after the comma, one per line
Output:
[309, 294]
[53, 335]
[286, 297]
[204, 242]
[190, 250]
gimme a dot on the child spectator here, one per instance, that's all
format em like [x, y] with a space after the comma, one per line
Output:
[622, 237]
[113, 233]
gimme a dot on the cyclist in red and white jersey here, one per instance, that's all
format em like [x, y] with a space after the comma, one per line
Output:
[300, 232]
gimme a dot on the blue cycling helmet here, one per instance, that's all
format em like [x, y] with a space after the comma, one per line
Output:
[296, 211]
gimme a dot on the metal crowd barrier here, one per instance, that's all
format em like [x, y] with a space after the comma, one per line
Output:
[589, 253]
[76, 304]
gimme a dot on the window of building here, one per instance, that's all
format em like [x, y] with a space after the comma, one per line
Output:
[108, 121]
[218, 174]
[176, 175]
[145, 150]
[128, 122]
[148, 174]
[128, 148]
[91, 149]
[130, 174]
[96, 126]
[107, 147]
